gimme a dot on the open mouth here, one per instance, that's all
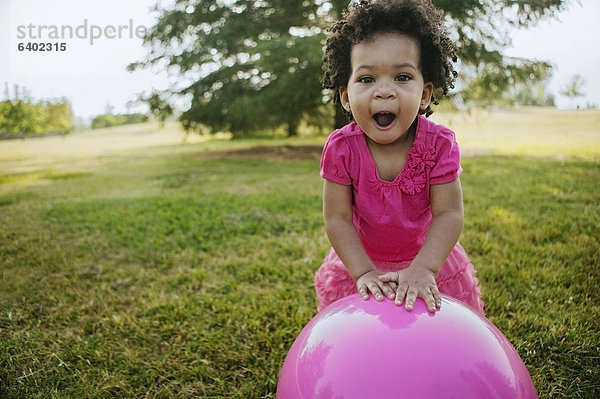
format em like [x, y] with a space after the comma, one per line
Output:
[384, 119]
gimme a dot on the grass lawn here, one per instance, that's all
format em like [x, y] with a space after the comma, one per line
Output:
[137, 266]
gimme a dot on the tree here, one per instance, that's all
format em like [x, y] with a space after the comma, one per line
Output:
[535, 95]
[249, 65]
[481, 28]
[573, 89]
[22, 116]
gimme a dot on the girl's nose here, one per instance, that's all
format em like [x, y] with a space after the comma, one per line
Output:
[385, 91]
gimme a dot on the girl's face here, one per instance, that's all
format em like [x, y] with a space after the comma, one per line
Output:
[386, 89]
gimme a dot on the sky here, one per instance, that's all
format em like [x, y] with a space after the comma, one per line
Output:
[103, 36]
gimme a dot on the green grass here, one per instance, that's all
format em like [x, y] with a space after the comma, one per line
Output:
[155, 269]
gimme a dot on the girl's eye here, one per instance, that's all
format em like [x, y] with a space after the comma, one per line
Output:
[366, 79]
[403, 77]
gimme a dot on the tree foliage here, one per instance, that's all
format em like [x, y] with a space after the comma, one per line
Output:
[109, 119]
[159, 108]
[574, 88]
[22, 116]
[481, 31]
[250, 65]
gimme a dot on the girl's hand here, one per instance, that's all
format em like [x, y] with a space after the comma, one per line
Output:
[415, 282]
[370, 282]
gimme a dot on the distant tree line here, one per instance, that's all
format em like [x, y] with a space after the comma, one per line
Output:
[109, 119]
[21, 116]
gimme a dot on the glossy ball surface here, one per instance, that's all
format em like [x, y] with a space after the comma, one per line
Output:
[368, 349]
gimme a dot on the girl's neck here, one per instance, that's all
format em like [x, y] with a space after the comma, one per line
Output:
[390, 158]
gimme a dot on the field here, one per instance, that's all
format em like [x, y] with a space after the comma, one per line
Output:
[135, 265]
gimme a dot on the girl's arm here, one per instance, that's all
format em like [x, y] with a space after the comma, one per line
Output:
[337, 214]
[418, 280]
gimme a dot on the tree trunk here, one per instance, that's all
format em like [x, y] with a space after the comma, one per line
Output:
[293, 123]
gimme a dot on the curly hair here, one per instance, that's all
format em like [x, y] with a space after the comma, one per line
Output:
[418, 19]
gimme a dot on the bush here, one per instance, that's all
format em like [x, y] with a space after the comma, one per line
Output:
[108, 120]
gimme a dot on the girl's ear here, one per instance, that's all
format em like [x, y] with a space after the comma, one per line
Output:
[426, 96]
[344, 99]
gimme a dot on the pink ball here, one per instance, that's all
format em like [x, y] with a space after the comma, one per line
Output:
[368, 349]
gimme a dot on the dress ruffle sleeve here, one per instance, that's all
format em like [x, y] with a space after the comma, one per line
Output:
[447, 168]
[335, 160]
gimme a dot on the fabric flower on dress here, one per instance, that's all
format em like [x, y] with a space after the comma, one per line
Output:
[421, 158]
[413, 182]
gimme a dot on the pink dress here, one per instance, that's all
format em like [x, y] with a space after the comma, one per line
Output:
[392, 218]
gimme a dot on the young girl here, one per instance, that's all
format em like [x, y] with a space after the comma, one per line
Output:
[392, 199]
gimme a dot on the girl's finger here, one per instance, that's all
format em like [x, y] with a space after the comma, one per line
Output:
[437, 297]
[411, 298]
[400, 294]
[431, 302]
[376, 291]
[387, 290]
[363, 292]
